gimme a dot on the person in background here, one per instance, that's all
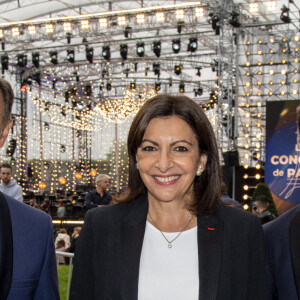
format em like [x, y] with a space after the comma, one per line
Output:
[75, 236]
[100, 196]
[63, 235]
[228, 200]
[171, 237]
[61, 246]
[61, 210]
[27, 255]
[282, 240]
[262, 204]
[9, 186]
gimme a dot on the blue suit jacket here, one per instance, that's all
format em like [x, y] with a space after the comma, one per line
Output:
[282, 237]
[27, 255]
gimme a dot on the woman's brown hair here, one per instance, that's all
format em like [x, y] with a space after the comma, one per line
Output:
[207, 186]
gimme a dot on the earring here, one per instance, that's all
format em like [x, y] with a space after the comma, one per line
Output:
[137, 165]
[199, 172]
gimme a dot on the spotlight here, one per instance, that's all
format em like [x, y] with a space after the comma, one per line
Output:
[156, 69]
[71, 55]
[36, 59]
[176, 45]
[132, 86]
[177, 69]
[62, 149]
[106, 52]
[89, 53]
[124, 51]
[140, 49]
[53, 57]
[69, 35]
[88, 90]
[46, 126]
[4, 62]
[198, 72]
[157, 48]
[108, 86]
[157, 86]
[193, 45]
[285, 15]
[127, 31]
[22, 60]
[181, 87]
[37, 77]
[198, 91]
[12, 144]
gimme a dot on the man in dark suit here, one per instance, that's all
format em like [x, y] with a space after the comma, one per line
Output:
[283, 251]
[27, 255]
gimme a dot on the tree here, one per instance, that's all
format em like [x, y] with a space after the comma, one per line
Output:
[263, 189]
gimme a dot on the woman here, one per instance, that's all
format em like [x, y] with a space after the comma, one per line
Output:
[171, 238]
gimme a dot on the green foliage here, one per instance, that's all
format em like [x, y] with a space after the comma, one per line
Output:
[263, 189]
[63, 273]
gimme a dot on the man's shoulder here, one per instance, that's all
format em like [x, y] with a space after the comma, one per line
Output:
[19, 210]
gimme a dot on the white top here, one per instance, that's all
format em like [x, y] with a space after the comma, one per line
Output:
[169, 273]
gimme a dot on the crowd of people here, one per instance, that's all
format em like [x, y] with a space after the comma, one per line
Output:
[171, 236]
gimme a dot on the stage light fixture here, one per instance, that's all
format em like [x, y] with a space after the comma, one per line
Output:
[157, 48]
[157, 86]
[49, 28]
[71, 55]
[176, 45]
[132, 86]
[124, 51]
[1, 33]
[156, 69]
[67, 26]
[46, 126]
[179, 14]
[85, 24]
[22, 60]
[285, 15]
[37, 77]
[177, 69]
[103, 23]
[127, 31]
[15, 31]
[193, 45]
[53, 57]
[106, 52]
[88, 90]
[181, 87]
[36, 59]
[198, 71]
[4, 62]
[160, 17]
[122, 21]
[108, 86]
[140, 49]
[271, 5]
[89, 54]
[199, 12]
[31, 29]
[12, 144]
[69, 36]
[140, 18]
[254, 7]
[198, 91]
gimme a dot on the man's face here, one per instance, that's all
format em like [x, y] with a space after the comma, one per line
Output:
[103, 184]
[5, 175]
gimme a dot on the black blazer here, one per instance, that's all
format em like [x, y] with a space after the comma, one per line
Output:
[282, 239]
[107, 257]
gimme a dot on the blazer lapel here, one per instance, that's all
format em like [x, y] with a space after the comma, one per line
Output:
[131, 241]
[210, 239]
[6, 248]
[294, 240]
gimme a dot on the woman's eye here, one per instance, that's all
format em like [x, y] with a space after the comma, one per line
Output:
[181, 149]
[148, 148]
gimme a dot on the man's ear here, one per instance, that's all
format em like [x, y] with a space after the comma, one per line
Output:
[5, 133]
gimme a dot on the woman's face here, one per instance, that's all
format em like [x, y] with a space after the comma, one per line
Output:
[168, 159]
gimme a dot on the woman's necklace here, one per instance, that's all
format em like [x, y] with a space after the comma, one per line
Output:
[170, 242]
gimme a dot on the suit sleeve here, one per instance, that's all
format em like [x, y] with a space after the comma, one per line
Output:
[257, 283]
[83, 282]
[88, 201]
[47, 288]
